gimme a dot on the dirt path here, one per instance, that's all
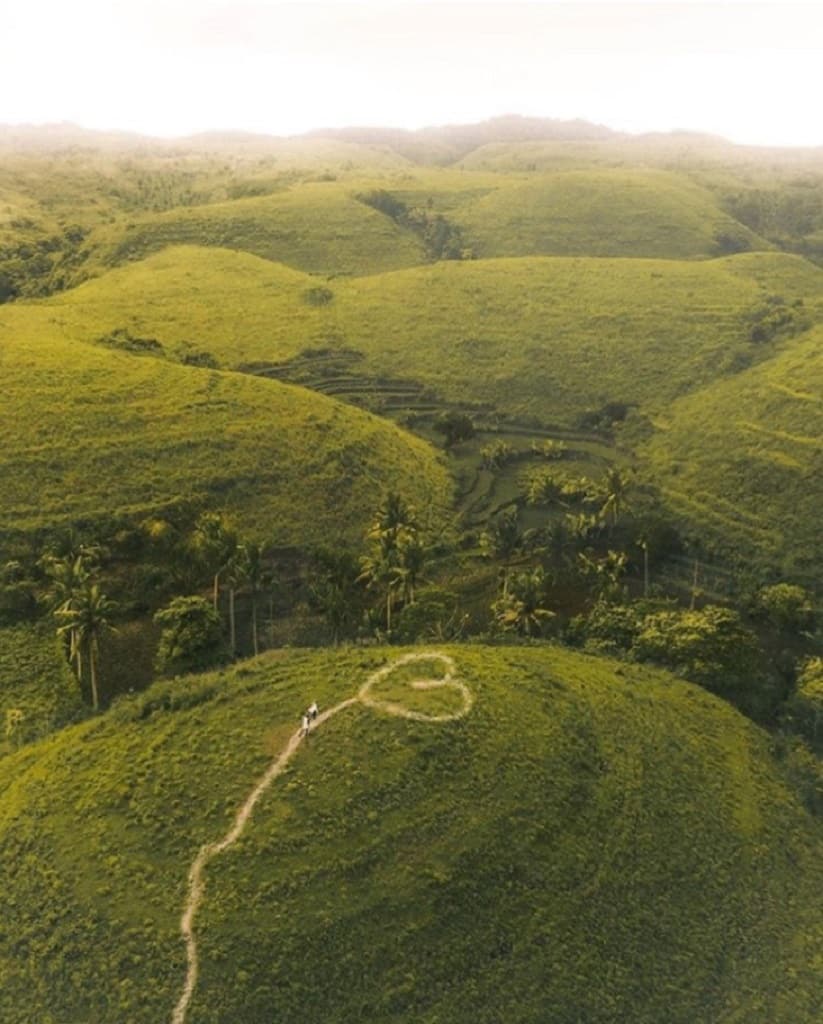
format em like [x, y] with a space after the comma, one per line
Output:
[277, 767]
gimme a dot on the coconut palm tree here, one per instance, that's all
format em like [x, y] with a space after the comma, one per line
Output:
[412, 554]
[336, 590]
[248, 569]
[615, 487]
[213, 543]
[68, 575]
[394, 519]
[522, 610]
[503, 540]
[86, 619]
[382, 571]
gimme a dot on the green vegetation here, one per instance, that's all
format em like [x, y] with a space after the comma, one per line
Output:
[603, 213]
[526, 382]
[604, 841]
[89, 433]
[319, 228]
[35, 682]
[745, 456]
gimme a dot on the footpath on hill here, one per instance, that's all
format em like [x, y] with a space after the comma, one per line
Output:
[365, 695]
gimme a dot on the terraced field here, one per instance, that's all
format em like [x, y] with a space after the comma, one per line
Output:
[745, 456]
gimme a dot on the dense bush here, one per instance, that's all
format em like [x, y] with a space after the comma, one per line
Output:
[191, 639]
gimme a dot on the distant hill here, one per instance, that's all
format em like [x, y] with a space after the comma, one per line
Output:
[448, 143]
[593, 842]
[602, 213]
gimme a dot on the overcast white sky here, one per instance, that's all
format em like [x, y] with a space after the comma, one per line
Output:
[749, 71]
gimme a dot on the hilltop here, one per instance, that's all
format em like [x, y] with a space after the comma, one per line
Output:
[593, 841]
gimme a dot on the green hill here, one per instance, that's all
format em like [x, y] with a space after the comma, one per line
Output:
[603, 213]
[592, 842]
[744, 457]
[87, 431]
[543, 337]
[320, 228]
[539, 339]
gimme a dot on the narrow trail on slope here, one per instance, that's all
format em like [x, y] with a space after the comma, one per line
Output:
[277, 767]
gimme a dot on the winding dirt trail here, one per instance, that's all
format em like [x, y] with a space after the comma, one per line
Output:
[277, 767]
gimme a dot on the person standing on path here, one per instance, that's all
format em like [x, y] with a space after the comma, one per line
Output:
[313, 711]
[304, 724]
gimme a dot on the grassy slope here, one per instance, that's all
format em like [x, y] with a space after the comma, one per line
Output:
[592, 843]
[601, 213]
[748, 453]
[86, 431]
[319, 228]
[34, 680]
[547, 337]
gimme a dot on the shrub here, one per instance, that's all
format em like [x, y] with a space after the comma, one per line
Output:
[191, 638]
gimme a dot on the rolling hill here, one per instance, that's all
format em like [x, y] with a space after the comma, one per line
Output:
[317, 227]
[745, 456]
[591, 842]
[540, 340]
[90, 432]
[603, 213]
[547, 338]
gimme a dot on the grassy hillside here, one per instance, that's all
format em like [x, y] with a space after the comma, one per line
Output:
[34, 681]
[320, 228]
[603, 213]
[592, 842]
[89, 431]
[746, 455]
[543, 337]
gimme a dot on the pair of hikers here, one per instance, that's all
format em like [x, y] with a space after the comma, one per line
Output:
[308, 717]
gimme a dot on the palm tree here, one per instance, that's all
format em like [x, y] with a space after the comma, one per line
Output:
[605, 573]
[615, 487]
[86, 620]
[412, 559]
[247, 569]
[395, 520]
[336, 591]
[214, 544]
[382, 571]
[503, 540]
[523, 609]
[68, 576]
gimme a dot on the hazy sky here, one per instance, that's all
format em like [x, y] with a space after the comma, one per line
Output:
[749, 71]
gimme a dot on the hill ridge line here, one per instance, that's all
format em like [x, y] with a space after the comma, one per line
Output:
[208, 851]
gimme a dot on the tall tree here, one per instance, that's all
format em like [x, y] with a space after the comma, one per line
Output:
[68, 575]
[503, 540]
[615, 487]
[213, 543]
[523, 609]
[86, 618]
[336, 591]
[381, 570]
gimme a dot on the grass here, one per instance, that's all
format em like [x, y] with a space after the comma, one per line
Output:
[745, 457]
[35, 681]
[547, 338]
[87, 431]
[593, 842]
[316, 227]
[606, 212]
[531, 341]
